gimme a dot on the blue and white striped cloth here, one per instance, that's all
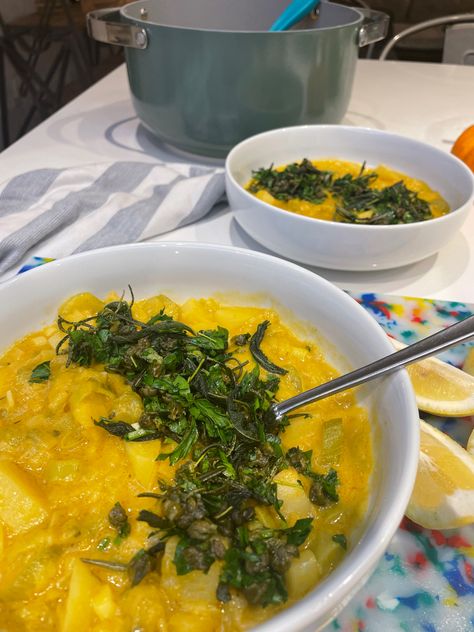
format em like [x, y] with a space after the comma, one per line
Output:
[57, 212]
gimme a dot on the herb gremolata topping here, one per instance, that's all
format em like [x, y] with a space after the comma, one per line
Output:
[210, 409]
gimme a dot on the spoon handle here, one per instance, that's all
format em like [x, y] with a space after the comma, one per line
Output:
[294, 12]
[431, 345]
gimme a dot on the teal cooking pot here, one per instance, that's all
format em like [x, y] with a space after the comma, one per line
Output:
[205, 74]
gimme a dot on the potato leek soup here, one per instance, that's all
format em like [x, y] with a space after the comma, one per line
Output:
[143, 484]
[348, 192]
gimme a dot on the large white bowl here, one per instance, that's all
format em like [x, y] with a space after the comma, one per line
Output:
[353, 338]
[337, 245]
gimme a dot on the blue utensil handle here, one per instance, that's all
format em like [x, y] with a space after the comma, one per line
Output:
[293, 13]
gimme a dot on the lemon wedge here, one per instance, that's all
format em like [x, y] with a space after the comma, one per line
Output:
[443, 496]
[440, 388]
[469, 362]
[470, 443]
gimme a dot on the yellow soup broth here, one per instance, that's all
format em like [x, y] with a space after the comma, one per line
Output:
[326, 209]
[60, 475]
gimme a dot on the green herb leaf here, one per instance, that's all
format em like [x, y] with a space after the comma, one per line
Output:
[40, 373]
[142, 434]
[258, 354]
[324, 486]
[340, 539]
[141, 564]
[298, 533]
[297, 180]
[183, 449]
[108, 564]
[211, 340]
[116, 428]
[300, 460]
[153, 520]
[104, 544]
[323, 489]
[215, 421]
[330, 483]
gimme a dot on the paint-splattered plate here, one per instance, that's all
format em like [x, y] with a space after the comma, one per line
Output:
[425, 582]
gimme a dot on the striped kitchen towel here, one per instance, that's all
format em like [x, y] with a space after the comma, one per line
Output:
[57, 212]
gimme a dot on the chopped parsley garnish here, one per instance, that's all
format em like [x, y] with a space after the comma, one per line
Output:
[300, 180]
[340, 538]
[41, 373]
[357, 200]
[211, 415]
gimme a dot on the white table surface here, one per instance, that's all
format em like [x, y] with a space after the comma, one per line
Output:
[431, 102]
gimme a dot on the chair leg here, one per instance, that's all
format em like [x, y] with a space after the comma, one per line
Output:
[3, 100]
[62, 75]
[78, 48]
[39, 39]
[59, 63]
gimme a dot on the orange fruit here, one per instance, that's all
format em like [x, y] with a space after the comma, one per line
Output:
[463, 148]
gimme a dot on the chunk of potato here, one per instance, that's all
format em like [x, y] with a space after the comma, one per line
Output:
[127, 407]
[197, 621]
[22, 504]
[34, 570]
[199, 587]
[192, 589]
[62, 470]
[243, 319]
[103, 602]
[89, 400]
[328, 552]
[143, 608]
[296, 503]
[80, 306]
[265, 196]
[6, 379]
[200, 312]
[142, 457]
[147, 308]
[302, 433]
[94, 395]
[147, 470]
[303, 574]
[83, 586]
[59, 390]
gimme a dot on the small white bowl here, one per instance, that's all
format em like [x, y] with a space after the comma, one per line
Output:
[337, 245]
[350, 338]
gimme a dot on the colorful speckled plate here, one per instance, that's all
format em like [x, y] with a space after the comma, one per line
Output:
[425, 581]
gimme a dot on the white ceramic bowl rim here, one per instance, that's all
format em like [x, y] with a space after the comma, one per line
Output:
[353, 129]
[359, 562]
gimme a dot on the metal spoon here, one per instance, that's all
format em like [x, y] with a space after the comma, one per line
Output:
[431, 345]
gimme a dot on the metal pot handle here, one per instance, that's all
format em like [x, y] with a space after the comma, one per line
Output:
[374, 27]
[104, 25]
